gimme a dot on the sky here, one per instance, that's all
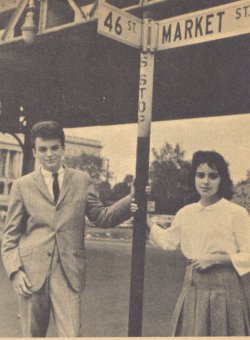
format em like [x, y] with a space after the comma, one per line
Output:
[228, 135]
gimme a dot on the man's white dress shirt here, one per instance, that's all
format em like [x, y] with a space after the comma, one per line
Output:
[48, 178]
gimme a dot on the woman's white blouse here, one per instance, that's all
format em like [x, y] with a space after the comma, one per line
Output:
[197, 230]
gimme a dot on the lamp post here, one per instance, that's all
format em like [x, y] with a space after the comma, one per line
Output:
[28, 159]
[107, 170]
[29, 27]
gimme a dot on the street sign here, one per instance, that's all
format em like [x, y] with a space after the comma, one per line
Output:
[211, 24]
[119, 25]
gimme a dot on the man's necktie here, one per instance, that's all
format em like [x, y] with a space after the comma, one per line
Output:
[56, 189]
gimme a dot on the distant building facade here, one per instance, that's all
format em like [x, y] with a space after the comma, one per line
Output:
[76, 145]
[11, 159]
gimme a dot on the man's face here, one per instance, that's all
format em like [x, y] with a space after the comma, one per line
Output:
[49, 153]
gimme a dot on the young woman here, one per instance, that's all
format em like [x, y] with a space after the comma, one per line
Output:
[214, 235]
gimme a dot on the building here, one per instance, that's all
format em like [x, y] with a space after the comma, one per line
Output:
[11, 159]
[76, 145]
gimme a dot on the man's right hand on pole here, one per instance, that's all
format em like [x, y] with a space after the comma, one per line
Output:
[21, 284]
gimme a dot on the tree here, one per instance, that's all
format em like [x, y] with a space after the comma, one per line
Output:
[105, 193]
[96, 168]
[242, 192]
[9, 114]
[94, 165]
[168, 175]
[123, 188]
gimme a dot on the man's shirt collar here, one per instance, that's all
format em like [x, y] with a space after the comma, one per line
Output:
[48, 174]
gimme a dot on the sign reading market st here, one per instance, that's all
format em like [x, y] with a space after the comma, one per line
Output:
[211, 24]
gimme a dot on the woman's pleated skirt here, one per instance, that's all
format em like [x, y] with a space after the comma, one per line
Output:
[212, 303]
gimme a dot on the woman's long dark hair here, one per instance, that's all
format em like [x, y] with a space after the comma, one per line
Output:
[215, 161]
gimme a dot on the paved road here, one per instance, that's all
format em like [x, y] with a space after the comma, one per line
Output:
[106, 297]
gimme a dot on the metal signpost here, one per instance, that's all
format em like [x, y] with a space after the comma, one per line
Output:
[132, 31]
[202, 26]
[142, 165]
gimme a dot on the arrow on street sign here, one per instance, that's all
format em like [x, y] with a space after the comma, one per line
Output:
[119, 25]
[211, 24]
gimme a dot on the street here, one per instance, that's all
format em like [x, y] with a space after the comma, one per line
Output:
[106, 297]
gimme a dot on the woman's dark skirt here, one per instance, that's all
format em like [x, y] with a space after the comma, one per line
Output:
[212, 303]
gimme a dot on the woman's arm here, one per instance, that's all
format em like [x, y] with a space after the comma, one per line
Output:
[167, 239]
[241, 225]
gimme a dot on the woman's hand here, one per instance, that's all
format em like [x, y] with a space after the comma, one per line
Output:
[133, 207]
[207, 261]
[148, 190]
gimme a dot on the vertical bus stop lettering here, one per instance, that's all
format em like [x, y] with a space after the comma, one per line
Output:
[142, 90]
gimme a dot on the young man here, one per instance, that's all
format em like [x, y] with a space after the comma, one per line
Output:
[43, 242]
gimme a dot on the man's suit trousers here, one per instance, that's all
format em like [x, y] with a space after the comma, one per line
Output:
[57, 297]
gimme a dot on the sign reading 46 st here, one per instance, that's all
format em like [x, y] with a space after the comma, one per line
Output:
[119, 25]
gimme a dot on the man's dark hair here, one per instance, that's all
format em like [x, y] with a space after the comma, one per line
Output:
[47, 130]
[215, 161]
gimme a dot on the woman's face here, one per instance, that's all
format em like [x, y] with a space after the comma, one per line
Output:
[207, 181]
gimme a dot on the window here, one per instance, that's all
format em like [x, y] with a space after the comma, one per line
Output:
[3, 157]
[9, 186]
[14, 164]
[1, 188]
